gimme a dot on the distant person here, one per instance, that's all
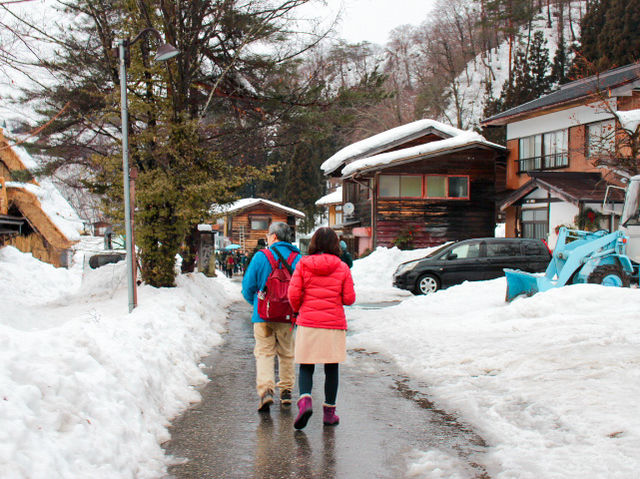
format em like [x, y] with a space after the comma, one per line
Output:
[272, 338]
[345, 255]
[320, 286]
[230, 263]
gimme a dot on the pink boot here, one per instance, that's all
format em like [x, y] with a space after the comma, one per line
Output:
[330, 418]
[304, 412]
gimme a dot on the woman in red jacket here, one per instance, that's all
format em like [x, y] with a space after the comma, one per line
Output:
[320, 286]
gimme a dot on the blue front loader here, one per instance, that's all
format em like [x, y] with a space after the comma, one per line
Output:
[579, 257]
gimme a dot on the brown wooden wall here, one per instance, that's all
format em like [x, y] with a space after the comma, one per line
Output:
[437, 221]
[252, 236]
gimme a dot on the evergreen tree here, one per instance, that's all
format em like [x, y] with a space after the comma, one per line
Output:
[609, 36]
[198, 126]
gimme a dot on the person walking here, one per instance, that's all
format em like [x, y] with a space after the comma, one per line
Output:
[320, 286]
[345, 255]
[272, 339]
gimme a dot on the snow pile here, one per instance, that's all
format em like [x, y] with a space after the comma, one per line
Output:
[550, 382]
[87, 389]
[384, 139]
[373, 274]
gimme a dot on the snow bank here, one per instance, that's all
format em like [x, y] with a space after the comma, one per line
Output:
[373, 274]
[87, 389]
[550, 382]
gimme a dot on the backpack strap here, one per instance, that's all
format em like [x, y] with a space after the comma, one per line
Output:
[272, 261]
[289, 263]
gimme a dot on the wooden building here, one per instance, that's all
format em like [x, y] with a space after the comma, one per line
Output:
[247, 220]
[33, 219]
[552, 141]
[418, 185]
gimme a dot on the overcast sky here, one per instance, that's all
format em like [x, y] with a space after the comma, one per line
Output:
[372, 20]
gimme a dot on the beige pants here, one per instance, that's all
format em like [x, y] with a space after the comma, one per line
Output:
[273, 339]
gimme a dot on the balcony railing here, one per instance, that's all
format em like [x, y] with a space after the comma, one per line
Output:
[540, 163]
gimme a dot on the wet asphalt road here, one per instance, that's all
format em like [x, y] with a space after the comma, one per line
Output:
[384, 419]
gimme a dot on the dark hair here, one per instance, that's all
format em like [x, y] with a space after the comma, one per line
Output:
[325, 240]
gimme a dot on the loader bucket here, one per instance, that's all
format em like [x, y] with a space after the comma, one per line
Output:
[519, 282]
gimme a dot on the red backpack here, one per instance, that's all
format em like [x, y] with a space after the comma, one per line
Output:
[273, 303]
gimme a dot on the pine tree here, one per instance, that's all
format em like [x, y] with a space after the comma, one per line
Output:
[197, 131]
[610, 36]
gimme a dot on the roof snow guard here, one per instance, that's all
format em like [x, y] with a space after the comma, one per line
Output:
[387, 140]
[571, 92]
[245, 203]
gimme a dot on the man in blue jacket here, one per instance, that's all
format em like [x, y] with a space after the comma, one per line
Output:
[272, 339]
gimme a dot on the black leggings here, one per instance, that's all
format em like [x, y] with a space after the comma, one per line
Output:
[305, 379]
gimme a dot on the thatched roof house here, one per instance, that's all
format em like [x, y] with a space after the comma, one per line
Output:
[34, 217]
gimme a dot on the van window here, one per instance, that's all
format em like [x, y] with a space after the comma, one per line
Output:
[503, 248]
[467, 250]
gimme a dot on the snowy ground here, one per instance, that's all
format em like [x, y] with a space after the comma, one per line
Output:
[87, 390]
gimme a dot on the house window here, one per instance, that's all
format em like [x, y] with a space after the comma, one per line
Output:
[544, 152]
[435, 186]
[397, 186]
[338, 219]
[535, 223]
[447, 187]
[600, 138]
[259, 222]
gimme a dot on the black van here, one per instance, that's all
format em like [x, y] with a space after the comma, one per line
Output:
[471, 260]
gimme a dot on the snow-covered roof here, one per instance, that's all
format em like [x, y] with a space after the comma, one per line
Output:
[629, 120]
[248, 202]
[57, 209]
[385, 140]
[332, 198]
[464, 138]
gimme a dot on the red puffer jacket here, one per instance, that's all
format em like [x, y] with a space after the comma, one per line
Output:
[320, 285]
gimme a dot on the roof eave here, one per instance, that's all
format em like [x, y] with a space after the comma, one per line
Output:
[424, 156]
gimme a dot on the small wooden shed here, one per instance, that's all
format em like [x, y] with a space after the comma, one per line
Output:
[248, 220]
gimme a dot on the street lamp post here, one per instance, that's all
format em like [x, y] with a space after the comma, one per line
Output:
[165, 52]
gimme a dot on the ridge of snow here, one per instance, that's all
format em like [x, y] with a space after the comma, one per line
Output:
[381, 139]
[246, 202]
[463, 139]
[331, 198]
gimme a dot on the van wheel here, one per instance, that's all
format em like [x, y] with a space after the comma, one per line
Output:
[609, 275]
[426, 284]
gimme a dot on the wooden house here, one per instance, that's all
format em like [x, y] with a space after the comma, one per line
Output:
[247, 220]
[418, 185]
[33, 219]
[551, 177]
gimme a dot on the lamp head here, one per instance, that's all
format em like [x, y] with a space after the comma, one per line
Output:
[166, 52]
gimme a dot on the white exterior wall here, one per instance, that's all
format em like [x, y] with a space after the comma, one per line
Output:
[560, 213]
[559, 120]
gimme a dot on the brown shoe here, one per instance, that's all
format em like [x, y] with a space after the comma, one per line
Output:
[285, 397]
[265, 402]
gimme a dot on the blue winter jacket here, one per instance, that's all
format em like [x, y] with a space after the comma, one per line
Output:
[259, 270]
